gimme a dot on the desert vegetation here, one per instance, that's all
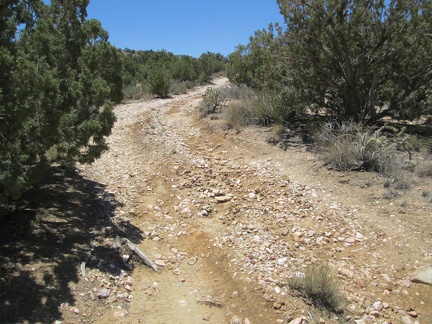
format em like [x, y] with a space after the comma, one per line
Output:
[348, 79]
[161, 73]
[60, 78]
[363, 92]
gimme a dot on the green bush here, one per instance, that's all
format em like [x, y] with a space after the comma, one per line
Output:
[276, 106]
[59, 80]
[160, 82]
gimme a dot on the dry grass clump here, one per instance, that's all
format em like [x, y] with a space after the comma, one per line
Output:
[349, 146]
[178, 87]
[235, 115]
[319, 286]
[136, 92]
[424, 168]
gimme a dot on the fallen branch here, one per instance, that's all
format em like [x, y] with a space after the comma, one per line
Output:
[210, 302]
[134, 249]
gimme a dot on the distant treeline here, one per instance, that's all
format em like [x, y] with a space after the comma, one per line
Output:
[162, 73]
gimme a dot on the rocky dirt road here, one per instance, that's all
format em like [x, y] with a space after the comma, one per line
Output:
[229, 218]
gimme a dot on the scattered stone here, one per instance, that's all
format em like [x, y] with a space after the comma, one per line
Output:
[160, 263]
[413, 314]
[192, 260]
[423, 275]
[177, 271]
[377, 306]
[346, 272]
[76, 311]
[119, 314]
[111, 299]
[277, 305]
[128, 288]
[406, 320]
[222, 199]
[103, 293]
[236, 320]
[299, 320]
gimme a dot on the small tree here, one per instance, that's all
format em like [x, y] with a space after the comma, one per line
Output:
[160, 81]
[360, 59]
[59, 78]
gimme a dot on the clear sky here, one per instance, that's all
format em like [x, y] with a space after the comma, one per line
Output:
[189, 27]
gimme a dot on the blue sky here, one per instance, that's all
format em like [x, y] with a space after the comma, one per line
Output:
[189, 27]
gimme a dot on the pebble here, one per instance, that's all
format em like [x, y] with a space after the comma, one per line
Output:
[299, 320]
[192, 260]
[160, 263]
[236, 320]
[377, 306]
[119, 314]
[277, 305]
[222, 199]
[104, 293]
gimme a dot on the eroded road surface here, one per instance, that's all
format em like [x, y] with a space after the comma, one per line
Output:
[229, 218]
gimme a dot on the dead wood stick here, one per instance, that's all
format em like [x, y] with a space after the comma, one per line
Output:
[139, 254]
[210, 302]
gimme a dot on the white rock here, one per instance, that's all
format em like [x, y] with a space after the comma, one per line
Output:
[222, 199]
[104, 293]
[299, 320]
[160, 263]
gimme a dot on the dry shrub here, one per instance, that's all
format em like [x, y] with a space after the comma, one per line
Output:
[235, 115]
[237, 92]
[178, 87]
[318, 285]
[136, 92]
[212, 102]
[424, 168]
[349, 146]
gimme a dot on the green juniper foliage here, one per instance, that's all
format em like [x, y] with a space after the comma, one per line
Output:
[355, 60]
[59, 80]
[160, 69]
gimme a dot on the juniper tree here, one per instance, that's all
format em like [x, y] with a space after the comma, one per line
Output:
[59, 78]
[360, 59]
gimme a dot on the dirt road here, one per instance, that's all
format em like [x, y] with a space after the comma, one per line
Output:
[229, 218]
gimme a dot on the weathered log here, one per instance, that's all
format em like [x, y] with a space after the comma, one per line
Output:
[140, 254]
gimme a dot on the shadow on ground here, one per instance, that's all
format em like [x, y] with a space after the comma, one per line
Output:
[46, 236]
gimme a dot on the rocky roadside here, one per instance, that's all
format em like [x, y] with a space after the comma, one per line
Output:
[175, 176]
